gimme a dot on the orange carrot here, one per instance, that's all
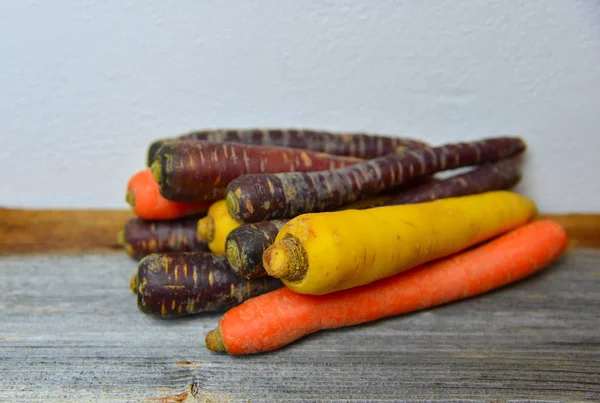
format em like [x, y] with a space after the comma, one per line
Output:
[278, 318]
[144, 197]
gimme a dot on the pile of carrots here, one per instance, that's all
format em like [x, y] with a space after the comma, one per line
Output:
[289, 232]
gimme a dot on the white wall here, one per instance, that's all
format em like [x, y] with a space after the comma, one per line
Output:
[87, 85]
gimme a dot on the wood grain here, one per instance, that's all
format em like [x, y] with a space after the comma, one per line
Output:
[60, 231]
[70, 331]
[43, 231]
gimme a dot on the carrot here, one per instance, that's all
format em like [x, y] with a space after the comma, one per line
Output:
[280, 317]
[259, 197]
[178, 284]
[215, 227]
[350, 144]
[503, 174]
[196, 170]
[326, 252]
[142, 237]
[246, 244]
[146, 201]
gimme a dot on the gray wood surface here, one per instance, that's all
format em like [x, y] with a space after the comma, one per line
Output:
[70, 330]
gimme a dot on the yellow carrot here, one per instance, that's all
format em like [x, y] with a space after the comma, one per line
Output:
[215, 227]
[321, 253]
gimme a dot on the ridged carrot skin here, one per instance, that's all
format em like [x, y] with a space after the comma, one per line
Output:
[280, 317]
[359, 145]
[141, 237]
[245, 246]
[195, 170]
[326, 252]
[259, 197]
[500, 175]
[172, 285]
[146, 201]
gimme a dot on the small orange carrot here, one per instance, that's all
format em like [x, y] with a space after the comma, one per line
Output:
[278, 318]
[144, 197]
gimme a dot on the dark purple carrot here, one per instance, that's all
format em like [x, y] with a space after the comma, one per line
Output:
[141, 237]
[189, 171]
[359, 145]
[172, 285]
[503, 174]
[245, 245]
[260, 197]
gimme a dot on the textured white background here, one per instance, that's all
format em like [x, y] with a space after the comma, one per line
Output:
[86, 85]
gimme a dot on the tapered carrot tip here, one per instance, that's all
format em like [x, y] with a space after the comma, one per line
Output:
[121, 238]
[133, 284]
[286, 259]
[156, 171]
[233, 206]
[206, 228]
[214, 341]
[130, 197]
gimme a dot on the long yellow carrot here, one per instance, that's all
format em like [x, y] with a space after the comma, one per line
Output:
[325, 252]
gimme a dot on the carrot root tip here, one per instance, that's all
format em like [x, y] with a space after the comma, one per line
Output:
[286, 259]
[214, 341]
[133, 284]
[206, 228]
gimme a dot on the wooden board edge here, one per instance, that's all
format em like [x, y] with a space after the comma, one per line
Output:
[24, 231]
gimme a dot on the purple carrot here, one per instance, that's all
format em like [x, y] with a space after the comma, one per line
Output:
[245, 245]
[190, 171]
[254, 198]
[503, 174]
[142, 237]
[359, 145]
[172, 285]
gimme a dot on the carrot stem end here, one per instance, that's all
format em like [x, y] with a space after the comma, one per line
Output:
[286, 259]
[233, 206]
[130, 197]
[214, 341]
[133, 284]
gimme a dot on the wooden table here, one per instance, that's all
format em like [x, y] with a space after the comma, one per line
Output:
[70, 331]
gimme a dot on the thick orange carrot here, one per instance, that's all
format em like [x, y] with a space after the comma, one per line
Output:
[144, 197]
[278, 318]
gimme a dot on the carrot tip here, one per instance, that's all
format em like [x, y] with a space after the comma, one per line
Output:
[214, 341]
[130, 197]
[133, 284]
[233, 206]
[286, 259]
[206, 228]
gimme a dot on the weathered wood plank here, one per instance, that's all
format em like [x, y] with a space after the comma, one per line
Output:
[70, 331]
[60, 231]
[49, 231]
